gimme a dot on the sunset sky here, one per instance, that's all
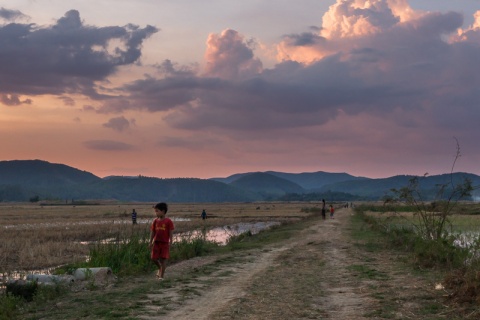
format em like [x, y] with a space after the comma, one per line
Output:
[203, 89]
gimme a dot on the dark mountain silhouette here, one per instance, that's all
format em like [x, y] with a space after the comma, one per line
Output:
[266, 184]
[24, 180]
[38, 173]
[306, 180]
[172, 190]
[231, 178]
[315, 180]
[377, 188]
[21, 180]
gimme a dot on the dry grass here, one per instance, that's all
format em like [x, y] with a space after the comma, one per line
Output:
[36, 236]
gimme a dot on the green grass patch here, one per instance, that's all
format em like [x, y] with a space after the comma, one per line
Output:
[367, 272]
[9, 306]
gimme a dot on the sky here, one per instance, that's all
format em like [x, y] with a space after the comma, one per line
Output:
[202, 89]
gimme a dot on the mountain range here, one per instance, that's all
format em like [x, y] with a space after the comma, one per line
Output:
[37, 180]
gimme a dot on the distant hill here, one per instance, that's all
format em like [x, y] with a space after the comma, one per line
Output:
[40, 173]
[266, 184]
[377, 188]
[306, 180]
[24, 180]
[171, 190]
[21, 180]
[231, 178]
[315, 180]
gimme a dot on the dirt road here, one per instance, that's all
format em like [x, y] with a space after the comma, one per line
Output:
[321, 273]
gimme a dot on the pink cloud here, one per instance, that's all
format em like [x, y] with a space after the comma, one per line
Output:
[229, 55]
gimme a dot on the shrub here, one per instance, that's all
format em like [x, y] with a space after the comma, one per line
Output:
[9, 306]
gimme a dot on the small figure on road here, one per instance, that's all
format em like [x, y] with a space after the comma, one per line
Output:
[332, 211]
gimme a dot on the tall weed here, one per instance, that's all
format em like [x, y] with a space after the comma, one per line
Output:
[125, 256]
[130, 253]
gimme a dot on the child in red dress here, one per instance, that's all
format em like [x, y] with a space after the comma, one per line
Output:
[161, 236]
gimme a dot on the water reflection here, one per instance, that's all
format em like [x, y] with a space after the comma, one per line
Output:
[221, 235]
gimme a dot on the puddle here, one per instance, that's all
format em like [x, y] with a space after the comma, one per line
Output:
[221, 235]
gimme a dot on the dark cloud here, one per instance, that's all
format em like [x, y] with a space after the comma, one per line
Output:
[13, 100]
[170, 68]
[119, 124]
[67, 57]
[107, 145]
[11, 15]
[303, 39]
[68, 101]
[154, 95]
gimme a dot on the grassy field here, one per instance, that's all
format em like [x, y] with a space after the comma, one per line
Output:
[36, 236]
[346, 253]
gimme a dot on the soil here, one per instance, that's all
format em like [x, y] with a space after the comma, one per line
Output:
[322, 273]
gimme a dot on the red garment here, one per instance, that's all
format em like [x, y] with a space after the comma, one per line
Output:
[161, 229]
[160, 250]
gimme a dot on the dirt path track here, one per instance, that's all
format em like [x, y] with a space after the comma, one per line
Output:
[319, 274]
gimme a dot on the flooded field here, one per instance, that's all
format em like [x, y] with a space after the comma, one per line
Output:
[41, 236]
[464, 228]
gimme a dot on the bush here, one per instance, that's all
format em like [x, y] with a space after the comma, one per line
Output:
[23, 289]
[440, 253]
[8, 306]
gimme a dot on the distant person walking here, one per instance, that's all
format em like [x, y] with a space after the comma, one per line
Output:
[204, 214]
[332, 211]
[324, 209]
[161, 236]
[134, 216]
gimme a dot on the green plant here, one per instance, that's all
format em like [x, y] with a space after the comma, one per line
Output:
[9, 305]
[433, 217]
[127, 255]
[189, 247]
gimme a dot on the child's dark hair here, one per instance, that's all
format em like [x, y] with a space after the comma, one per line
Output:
[162, 206]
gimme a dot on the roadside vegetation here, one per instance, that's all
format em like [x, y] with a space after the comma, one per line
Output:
[457, 261]
[373, 226]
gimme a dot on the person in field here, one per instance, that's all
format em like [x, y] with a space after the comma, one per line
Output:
[134, 217]
[204, 214]
[324, 209]
[161, 236]
[332, 211]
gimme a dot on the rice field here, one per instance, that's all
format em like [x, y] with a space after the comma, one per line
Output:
[41, 236]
